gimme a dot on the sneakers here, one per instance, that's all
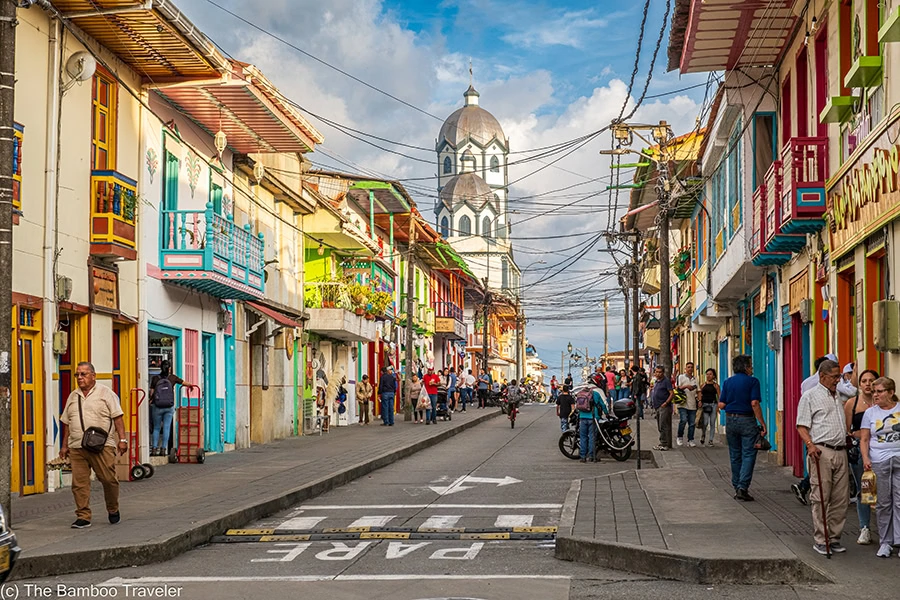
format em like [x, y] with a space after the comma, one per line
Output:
[692, 444]
[710, 443]
[883, 552]
[820, 548]
[865, 537]
[114, 518]
[679, 441]
[661, 448]
[81, 524]
[801, 496]
[837, 548]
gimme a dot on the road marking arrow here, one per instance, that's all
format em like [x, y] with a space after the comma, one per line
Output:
[457, 486]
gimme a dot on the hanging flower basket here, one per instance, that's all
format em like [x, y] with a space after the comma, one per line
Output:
[681, 264]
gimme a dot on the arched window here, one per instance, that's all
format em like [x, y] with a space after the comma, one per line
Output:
[445, 227]
[448, 165]
[495, 164]
[497, 201]
[486, 227]
[465, 225]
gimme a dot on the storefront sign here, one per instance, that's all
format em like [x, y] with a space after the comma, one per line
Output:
[449, 325]
[867, 195]
[104, 289]
[799, 290]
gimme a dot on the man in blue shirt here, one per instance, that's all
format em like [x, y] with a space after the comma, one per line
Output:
[661, 401]
[387, 389]
[740, 399]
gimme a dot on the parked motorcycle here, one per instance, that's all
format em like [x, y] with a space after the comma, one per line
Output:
[613, 435]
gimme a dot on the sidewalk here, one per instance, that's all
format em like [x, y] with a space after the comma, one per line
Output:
[680, 521]
[184, 505]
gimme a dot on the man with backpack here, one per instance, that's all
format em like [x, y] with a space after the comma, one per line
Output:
[638, 388]
[162, 407]
[588, 402]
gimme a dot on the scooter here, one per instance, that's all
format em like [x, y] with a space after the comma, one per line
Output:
[613, 433]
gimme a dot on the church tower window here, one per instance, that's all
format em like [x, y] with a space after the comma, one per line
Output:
[445, 227]
[465, 225]
[486, 227]
[495, 164]
[448, 165]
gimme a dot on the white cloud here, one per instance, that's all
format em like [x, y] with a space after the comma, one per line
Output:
[568, 29]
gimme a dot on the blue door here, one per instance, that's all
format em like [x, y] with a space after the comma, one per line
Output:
[230, 391]
[213, 410]
[723, 372]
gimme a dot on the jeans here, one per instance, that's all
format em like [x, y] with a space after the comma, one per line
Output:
[431, 414]
[162, 419]
[465, 396]
[554, 394]
[741, 432]
[451, 398]
[664, 423]
[587, 437]
[863, 511]
[563, 423]
[387, 408]
[708, 421]
[687, 417]
[887, 508]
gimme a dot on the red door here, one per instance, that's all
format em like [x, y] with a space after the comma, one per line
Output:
[793, 350]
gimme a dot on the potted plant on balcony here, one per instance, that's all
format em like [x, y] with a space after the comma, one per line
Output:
[681, 264]
[380, 301]
[360, 295]
[312, 296]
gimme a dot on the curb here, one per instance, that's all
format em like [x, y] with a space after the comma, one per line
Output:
[678, 566]
[133, 555]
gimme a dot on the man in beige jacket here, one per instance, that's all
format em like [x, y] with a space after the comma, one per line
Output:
[364, 393]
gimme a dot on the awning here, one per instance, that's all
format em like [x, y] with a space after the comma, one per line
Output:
[153, 38]
[255, 117]
[278, 317]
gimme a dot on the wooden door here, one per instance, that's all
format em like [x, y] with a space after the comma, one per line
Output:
[28, 472]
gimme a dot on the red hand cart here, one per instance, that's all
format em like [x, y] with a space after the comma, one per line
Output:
[137, 470]
[190, 430]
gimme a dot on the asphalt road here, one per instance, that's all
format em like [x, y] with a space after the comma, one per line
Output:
[486, 484]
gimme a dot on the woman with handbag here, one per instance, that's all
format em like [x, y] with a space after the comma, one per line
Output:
[879, 443]
[414, 392]
[854, 409]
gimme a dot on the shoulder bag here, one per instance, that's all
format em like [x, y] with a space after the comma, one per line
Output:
[94, 438]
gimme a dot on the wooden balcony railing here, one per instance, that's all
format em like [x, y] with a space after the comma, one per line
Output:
[113, 212]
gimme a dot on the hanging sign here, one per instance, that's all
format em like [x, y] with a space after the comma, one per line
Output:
[104, 289]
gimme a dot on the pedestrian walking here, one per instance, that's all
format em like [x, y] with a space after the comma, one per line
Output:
[854, 409]
[92, 411]
[468, 390]
[162, 407]
[587, 430]
[801, 488]
[709, 401]
[639, 385]
[568, 382]
[821, 425]
[661, 400]
[387, 391]
[687, 412]
[554, 388]
[364, 393]
[880, 447]
[484, 380]
[451, 389]
[431, 382]
[415, 393]
[564, 404]
[744, 423]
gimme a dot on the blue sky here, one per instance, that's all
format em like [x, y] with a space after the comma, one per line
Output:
[549, 72]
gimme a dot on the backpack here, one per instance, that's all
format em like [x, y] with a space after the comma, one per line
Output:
[679, 397]
[512, 394]
[584, 399]
[163, 393]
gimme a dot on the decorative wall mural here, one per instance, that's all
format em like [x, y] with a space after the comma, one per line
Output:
[152, 162]
[193, 166]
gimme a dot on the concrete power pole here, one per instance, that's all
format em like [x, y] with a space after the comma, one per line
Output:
[635, 281]
[410, 303]
[520, 341]
[626, 358]
[605, 332]
[484, 335]
[7, 140]
[663, 188]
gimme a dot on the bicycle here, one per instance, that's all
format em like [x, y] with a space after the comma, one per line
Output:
[513, 410]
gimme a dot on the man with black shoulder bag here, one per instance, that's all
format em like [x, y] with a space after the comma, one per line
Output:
[91, 413]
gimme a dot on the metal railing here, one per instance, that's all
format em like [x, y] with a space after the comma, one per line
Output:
[448, 309]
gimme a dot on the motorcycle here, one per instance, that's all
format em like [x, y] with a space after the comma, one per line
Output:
[613, 434]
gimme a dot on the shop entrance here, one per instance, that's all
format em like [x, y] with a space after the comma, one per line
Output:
[164, 343]
[213, 410]
[28, 406]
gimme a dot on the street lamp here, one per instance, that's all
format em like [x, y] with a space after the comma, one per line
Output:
[569, 348]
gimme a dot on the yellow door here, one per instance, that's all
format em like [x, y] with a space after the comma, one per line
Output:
[125, 372]
[28, 473]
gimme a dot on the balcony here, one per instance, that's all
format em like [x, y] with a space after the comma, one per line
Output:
[113, 208]
[329, 307]
[776, 241]
[448, 320]
[208, 252]
[758, 254]
[803, 189]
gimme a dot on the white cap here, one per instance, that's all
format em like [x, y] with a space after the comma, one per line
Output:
[848, 368]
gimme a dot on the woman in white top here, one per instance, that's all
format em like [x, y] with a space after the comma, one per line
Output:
[880, 446]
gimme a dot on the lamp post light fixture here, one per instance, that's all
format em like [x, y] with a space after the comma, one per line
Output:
[569, 348]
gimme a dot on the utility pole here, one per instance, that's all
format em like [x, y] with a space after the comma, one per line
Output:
[605, 332]
[410, 303]
[663, 188]
[484, 335]
[635, 281]
[520, 341]
[7, 139]
[625, 356]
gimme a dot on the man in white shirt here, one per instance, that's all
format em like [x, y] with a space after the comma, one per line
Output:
[687, 412]
[801, 488]
[822, 428]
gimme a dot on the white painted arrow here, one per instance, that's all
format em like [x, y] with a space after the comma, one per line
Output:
[457, 486]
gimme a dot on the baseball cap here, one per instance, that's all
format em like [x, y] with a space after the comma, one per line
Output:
[832, 357]
[848, 368]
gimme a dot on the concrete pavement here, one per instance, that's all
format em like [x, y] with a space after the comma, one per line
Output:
[680, 521]
[184, 505]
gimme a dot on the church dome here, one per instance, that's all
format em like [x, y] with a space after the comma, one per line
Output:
[467, 187]
[473, 122]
